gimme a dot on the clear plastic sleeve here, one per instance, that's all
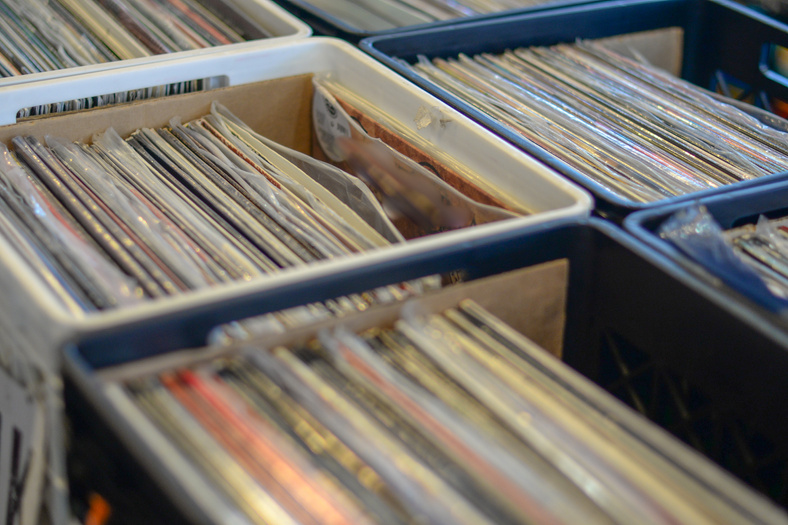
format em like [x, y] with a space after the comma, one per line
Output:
[403, 185]
[120, 287]
[695, 232]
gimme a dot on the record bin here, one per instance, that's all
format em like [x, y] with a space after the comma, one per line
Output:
[270, 17]
[282, 76]
[730, 210]
[651, 335]
[721, 39]
[328, 24]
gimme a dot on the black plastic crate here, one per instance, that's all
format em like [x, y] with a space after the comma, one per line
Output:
[653, 337]
[327, 24]
[724, 43]
[730, 210]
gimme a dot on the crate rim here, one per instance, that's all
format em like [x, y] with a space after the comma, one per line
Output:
[352, 33]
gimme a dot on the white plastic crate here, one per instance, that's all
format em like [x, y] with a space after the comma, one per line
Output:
[31, 308]
[278, 22]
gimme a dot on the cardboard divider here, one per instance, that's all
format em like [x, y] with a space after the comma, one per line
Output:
[279, 109]
[537, 310]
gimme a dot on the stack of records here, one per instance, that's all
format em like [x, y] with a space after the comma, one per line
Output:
[119, 222]
[38, 36]
[451, 417]
[634, 130]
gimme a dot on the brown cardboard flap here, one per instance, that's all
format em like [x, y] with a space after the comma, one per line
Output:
[280, 109]
[531, 300]
[662, 48]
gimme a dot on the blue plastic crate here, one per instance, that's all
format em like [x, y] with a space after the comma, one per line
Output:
[651, 336]
[723, 41]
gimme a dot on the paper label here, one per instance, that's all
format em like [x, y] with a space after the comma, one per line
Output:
[330, 122]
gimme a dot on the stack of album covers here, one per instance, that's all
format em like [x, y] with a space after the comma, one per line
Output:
[379, 15]
[765, 248]
[193, 205]
[635, 130]
[37, 35]
[45, 35]
[435, 419]
[753, 257]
